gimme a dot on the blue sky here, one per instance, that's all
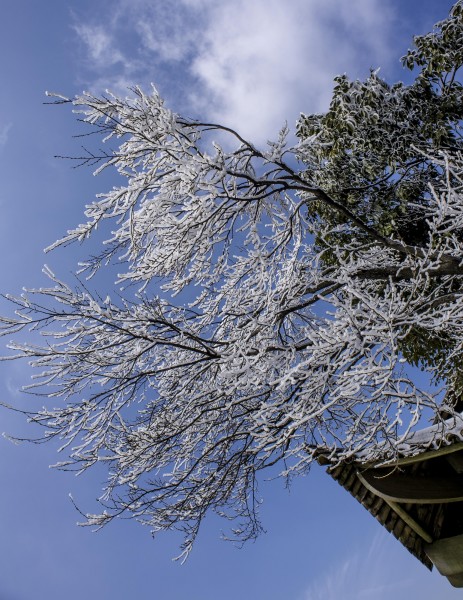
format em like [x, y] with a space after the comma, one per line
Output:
[248, 64]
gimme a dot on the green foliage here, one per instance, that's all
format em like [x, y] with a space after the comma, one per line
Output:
[371, 151]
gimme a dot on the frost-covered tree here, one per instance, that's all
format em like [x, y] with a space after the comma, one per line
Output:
[273, 299]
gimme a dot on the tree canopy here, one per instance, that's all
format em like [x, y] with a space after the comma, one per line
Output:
[270, 302]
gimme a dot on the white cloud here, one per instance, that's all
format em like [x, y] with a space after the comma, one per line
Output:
[262, 63]
[251, 65]
[100, 45]
[167, 32]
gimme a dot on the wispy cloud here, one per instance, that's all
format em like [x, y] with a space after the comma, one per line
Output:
[382, 571]
[100, 45]
[250, 64]
[4, 134]
[361, 575]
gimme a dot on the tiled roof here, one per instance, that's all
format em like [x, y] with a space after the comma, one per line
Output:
[418, 497]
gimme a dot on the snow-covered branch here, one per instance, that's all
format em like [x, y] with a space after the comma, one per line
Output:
[306, 281]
